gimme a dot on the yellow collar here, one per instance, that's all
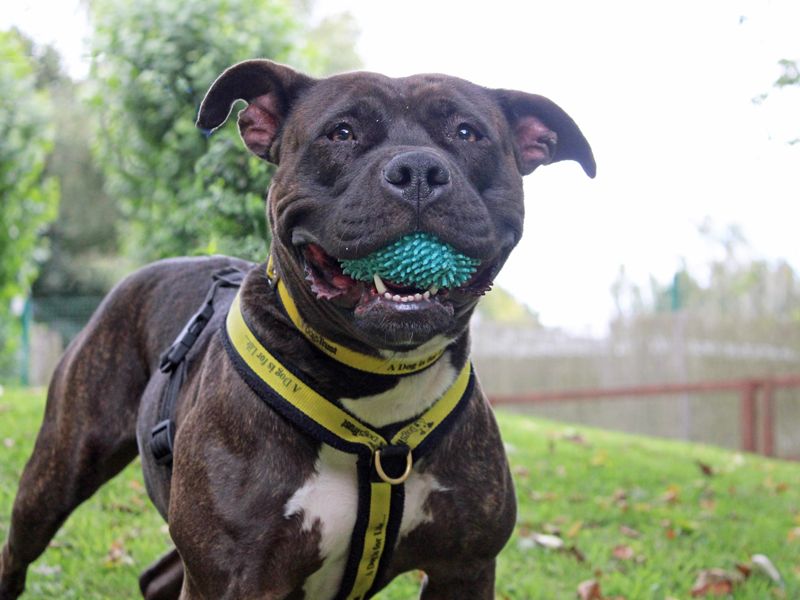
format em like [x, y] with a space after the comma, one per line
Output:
[403, 365]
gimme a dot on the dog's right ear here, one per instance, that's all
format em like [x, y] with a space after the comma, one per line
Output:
[269, 89]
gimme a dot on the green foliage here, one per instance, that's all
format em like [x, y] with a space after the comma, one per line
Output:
[28, 200]
[153, 61]
[640, 514]
[500, 306]
[83, 239]
[790, 75]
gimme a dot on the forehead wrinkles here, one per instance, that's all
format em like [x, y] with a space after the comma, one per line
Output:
[350, 92]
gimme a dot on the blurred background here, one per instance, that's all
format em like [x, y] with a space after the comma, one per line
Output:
[662, 297]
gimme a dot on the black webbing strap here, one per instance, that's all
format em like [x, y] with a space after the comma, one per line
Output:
[173, 365]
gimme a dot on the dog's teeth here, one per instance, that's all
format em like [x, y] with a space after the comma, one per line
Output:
[387, 295]
[427, 295]
[434, 289]
[417, 297]
[379, 285]
[405, 298]
[396, 298]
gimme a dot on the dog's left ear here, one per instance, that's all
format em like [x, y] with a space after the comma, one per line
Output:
[543, 132]
[269, 89]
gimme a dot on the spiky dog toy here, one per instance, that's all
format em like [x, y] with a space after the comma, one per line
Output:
[417, 260]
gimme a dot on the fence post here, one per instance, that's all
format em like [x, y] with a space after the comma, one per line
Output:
[748, 415]
[25, 346]
[768, 418]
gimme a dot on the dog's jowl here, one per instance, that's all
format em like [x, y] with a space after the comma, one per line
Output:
[315, 428]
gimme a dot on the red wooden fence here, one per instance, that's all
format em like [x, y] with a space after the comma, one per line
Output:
[748, 390]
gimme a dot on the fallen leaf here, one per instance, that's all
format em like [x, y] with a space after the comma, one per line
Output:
[623, 552]
[543, 496]
[521, 471]
[589, 590]
[708, 504]
[705, 469]
[575, 529]
[576, 553]
[117, 555]
[672, 495]
[136, 485]
[715, 582]
[629, 532]
[551, 542]
[764, 565]
[794, 535]
[574, 437]
[745, 569]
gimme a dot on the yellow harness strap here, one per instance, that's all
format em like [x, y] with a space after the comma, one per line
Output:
[381, 494]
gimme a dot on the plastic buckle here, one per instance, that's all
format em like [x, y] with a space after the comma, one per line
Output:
[186, 339]
[161, 438]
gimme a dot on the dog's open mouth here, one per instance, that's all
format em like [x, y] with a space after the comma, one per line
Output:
[329, 282]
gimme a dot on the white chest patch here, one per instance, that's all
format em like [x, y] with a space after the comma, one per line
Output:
[329, 498]
[410, 397]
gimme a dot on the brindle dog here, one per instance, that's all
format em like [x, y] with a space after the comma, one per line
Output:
[256, 508]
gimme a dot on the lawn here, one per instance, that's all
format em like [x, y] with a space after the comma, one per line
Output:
[643, 518]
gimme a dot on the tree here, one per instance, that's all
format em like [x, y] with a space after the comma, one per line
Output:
[28, 199]
[181, 193]
[83, 238]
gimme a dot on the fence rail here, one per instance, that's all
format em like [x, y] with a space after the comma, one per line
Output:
[749, 391]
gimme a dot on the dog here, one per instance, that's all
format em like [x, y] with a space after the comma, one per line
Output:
[259, 502]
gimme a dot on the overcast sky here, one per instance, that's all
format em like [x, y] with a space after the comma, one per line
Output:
[662, 90]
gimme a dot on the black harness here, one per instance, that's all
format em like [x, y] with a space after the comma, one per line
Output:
[173, 365]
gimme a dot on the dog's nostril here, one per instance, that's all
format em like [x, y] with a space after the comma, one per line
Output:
[438, 175]
[397, 174]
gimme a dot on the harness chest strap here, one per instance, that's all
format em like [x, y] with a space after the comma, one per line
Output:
[380, 495]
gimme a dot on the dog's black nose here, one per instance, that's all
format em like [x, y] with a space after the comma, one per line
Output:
[416, 176]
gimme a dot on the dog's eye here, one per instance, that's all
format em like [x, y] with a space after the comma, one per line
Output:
[467, 133]
[343, 132]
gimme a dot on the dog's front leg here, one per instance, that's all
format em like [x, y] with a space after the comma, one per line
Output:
[459, 584]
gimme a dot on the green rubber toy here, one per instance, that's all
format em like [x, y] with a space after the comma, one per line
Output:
[417, 260]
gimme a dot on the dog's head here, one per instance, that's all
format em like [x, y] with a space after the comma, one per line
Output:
[364, 160]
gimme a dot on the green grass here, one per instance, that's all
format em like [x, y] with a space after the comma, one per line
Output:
[595, 490]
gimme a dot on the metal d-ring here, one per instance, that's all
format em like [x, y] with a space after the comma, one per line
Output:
[393, 480]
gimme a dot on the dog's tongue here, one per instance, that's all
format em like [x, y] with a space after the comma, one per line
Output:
[418, 260]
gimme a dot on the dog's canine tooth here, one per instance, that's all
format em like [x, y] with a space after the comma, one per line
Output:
[379, 285]
[434, 289]
[427, 295]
